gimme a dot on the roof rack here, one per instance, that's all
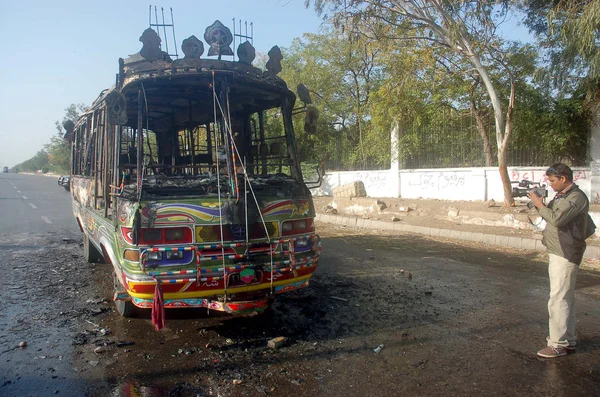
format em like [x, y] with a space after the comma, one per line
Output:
[157, 27]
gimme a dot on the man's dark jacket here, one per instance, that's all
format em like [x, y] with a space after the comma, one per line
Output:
[566, 222]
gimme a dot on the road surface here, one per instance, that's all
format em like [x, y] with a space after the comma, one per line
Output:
[385, 315]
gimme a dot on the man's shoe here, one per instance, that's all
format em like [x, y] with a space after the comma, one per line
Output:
[552, 352]
[570, 349]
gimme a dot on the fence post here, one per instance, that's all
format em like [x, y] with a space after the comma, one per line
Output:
[594, 153]
[396, 159]
[480, 179]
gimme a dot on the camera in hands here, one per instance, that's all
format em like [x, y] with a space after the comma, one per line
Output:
[524, 187]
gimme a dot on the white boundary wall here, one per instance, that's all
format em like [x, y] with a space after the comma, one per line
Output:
[467, 184]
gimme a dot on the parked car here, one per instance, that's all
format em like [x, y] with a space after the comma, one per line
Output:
[60, 180]
[66, 182]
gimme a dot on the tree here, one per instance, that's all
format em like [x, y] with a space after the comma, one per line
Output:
[425, 86]
[341, 72]
[467, 28]
[581, 31]
[34, 164]
[59, 150]
[58, 153]
[569, 33]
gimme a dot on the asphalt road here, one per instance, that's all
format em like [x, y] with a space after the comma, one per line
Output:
[35, 205]
[449, 319]
[37, 233]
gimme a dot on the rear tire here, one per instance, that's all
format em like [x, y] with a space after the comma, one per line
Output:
[125, 308]
[90, 252]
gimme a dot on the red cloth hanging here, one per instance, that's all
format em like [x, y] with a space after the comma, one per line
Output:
[158, 308]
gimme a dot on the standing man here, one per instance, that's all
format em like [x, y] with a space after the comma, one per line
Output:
[566, 219]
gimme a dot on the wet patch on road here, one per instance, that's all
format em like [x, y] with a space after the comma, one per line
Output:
[435, 315]
[41, 298]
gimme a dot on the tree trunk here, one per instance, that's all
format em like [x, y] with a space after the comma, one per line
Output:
[487, 151]
[503, 126]
[503, 168]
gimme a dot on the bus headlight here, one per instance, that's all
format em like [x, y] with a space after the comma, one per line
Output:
[174, 255]
[154, 256]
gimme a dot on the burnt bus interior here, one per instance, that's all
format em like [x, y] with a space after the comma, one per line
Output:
[178, 138]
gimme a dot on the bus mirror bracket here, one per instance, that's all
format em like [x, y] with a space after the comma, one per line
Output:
[320, 168]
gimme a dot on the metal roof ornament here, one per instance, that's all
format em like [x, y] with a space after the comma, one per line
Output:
[304, 94]
[151, 46]
[246, 53]
[192, 48]
[117, 108]
[219, 37]
[274, 62]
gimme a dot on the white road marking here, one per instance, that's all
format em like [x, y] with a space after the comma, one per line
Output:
[25, 198]
[32, 205]
[48, 221]
[18, 191]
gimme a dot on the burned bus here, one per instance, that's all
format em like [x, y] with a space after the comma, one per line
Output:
[186, 179]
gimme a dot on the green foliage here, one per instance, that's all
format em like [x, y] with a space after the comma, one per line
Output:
[432, 90]
[58, 154]
[569, 33]
[341, 73]
[34, 164]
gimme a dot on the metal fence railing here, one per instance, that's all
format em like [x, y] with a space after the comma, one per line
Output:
[344, 155]
[451, 140]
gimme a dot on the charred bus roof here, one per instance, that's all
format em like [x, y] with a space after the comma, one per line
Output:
[182, 125]
[179, 93]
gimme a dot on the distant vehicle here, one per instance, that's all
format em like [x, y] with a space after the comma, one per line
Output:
[67, 183]
[5, 169]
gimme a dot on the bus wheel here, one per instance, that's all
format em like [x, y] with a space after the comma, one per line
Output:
[268, 311]
[90, 252]
[125, 308]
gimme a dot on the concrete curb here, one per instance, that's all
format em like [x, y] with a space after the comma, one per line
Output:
[515, 242]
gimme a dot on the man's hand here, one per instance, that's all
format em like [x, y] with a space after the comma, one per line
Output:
[536, 200]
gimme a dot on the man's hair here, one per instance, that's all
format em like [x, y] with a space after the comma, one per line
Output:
[560, 169]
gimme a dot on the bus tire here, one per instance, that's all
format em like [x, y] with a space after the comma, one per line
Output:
[125, 308]
[90, 252]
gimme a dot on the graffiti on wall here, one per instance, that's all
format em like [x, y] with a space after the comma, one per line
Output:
[439, 180]
[452, 184]
[540, 176]
[374, 181]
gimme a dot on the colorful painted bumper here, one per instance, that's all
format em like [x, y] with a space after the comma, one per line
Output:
[233, 306]
[233, 287]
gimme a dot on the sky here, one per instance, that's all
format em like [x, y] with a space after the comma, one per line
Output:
[66, 52]
[63, 52]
